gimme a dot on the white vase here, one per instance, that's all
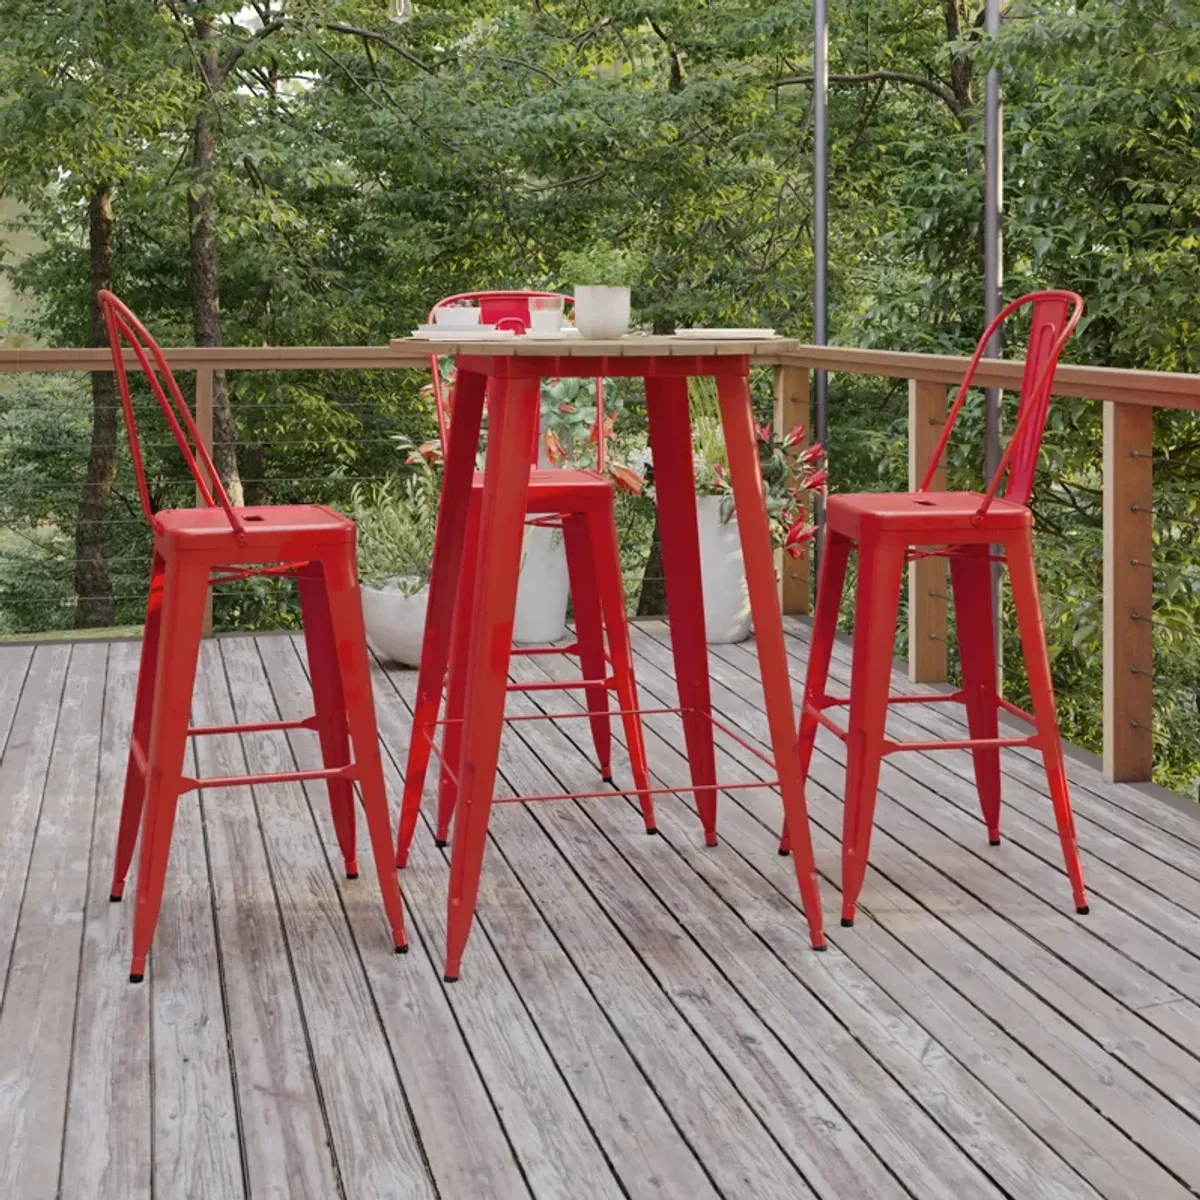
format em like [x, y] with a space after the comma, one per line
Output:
[722, 575]
[543, 588]
[395, 622]
[602, 312]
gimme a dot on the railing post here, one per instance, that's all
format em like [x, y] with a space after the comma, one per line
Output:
[1128, 592]
[204, 423]
[792, 409]
[927, 580]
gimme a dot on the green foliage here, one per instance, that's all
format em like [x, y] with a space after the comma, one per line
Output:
[396, 523]
[603, 266]
[359, 176]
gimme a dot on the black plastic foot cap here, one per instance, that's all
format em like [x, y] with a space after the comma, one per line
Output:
[993, 841]
[651, 829]
[402, 949]
[441, 843]
[136, 978]
[822, 947]
[449, 978]
[609, 780]
[783, 853]
[847, 922]
[1083, 910]
[351, 874]
[114, 898]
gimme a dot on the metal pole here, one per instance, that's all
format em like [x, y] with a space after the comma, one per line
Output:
[820, 231]
[993, 273]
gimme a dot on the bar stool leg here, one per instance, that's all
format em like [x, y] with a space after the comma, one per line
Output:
[589, 632]
[512, 420]
[971, 579]
[607, 557]
[1037, 667]
[830, 586]
[675, 490]
[737, 419]
[467, 408]
[182, 622]
[135, 779]
[350, 639]
[329, 706]
[876, 604]
[460, 641]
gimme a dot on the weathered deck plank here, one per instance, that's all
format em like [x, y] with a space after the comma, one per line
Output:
[638, 1016]
[37, 1007]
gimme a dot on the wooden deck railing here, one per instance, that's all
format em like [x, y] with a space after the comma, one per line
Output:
[1129, 399]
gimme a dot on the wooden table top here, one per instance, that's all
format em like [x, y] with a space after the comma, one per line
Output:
[632, 345]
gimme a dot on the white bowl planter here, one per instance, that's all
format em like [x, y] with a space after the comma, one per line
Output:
[395, 622]
[543, 588]
[602, 312]
[722, 575]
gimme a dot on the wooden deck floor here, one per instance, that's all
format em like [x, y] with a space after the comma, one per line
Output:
[637, 1017]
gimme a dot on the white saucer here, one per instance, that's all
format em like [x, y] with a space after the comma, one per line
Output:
[551, 336]
[472, 333]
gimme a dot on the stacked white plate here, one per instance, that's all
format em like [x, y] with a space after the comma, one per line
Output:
[465, 333]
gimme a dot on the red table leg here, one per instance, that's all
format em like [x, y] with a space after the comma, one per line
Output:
[467, 414]
[675, 492]
[737, 419]
[512, 418]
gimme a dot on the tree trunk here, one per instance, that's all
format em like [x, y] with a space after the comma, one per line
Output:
[202, 259]
[95, 604]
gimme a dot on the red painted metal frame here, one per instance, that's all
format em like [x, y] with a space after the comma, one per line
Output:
[888, 530]
[613, 790]
[483, 627]
[192, 547]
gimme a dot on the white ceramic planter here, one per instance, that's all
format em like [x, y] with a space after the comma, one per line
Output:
[722, 575]
[395, 622]
[602, 312]
[542, 588]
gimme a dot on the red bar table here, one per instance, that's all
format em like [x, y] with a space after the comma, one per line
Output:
[510, 373]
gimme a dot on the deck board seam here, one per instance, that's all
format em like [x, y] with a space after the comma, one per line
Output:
[341, 900]
[964, 886]
[87, 892]
[41, 804]
[754, 768]
[1093, 929]
[482, 921]
[800, 980]
[937, 723]
[285, 939]
[717, 967]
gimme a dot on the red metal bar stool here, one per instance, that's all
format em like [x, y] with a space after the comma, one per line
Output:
[216, 543]
[581, 504]
[889, 529]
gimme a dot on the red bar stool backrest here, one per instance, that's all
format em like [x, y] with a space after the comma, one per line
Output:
[1055, 315]
[507, 310]
[123, 326]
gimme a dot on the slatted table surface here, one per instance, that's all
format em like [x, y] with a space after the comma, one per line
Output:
[637, 1017]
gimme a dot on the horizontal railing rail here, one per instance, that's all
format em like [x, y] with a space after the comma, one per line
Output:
[1129, 398]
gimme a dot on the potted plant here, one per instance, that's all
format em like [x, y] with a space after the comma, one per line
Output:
[396, 524]
[601, 277]
[788, 481]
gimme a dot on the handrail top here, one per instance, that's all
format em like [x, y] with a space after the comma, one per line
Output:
[1156, 389]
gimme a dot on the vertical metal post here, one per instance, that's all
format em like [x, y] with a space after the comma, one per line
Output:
[820, 231]
[993, 274]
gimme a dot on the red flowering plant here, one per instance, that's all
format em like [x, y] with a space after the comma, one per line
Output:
[570, 429]
[792, 472]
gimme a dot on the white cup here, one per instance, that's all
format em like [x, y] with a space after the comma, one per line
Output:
[545, 314]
